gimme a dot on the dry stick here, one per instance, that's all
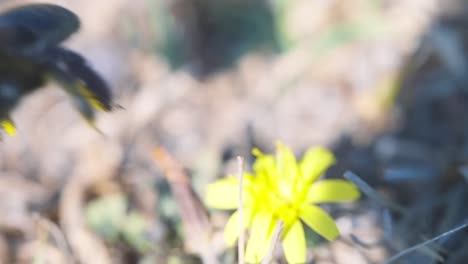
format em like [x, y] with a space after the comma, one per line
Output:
[57, 235]
[275, 238]
[195, 217]
[371, 193]
[409, 250]
[240, 245]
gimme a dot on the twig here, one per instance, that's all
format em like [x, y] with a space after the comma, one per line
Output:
[409, 250]
[240, 245]
[275, 238]
[193, 213]
[388, 224]
[85, 245]
[44, 225]
[364, 244]
[371, 193]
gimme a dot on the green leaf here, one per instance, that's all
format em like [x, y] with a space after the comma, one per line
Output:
[134, 231]
[106, 215]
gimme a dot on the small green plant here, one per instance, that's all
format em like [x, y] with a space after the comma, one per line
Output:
[282, 189]
[108, 217]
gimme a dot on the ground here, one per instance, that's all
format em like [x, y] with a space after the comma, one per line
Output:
[381, 83]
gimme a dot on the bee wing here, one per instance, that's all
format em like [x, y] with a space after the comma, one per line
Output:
[92, 86]
[75, 89]
[87, 89]
[37, 26]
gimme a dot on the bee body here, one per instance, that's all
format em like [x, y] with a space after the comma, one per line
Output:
[30, 53]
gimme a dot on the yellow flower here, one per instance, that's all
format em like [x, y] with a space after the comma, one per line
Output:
[282, 189]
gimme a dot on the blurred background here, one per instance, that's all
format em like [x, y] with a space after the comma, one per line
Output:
[382, 83]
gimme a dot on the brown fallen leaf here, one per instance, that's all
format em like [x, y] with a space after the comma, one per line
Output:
[196, 222]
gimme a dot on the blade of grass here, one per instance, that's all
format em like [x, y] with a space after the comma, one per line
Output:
[425, 243]
[241, 244]
[275, 238]
[371, 193]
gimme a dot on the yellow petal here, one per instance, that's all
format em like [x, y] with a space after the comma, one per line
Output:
[8, 126]
[327, 191]
[287, 170]
[231, 231]
[321, 222]
[260, 236]
[315, 162]
[264, 166]
[223, 194]
[294, 244]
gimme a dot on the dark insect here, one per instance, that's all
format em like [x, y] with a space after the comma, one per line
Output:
[30, 56]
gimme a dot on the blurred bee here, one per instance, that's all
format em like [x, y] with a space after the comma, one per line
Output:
[30, 56]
